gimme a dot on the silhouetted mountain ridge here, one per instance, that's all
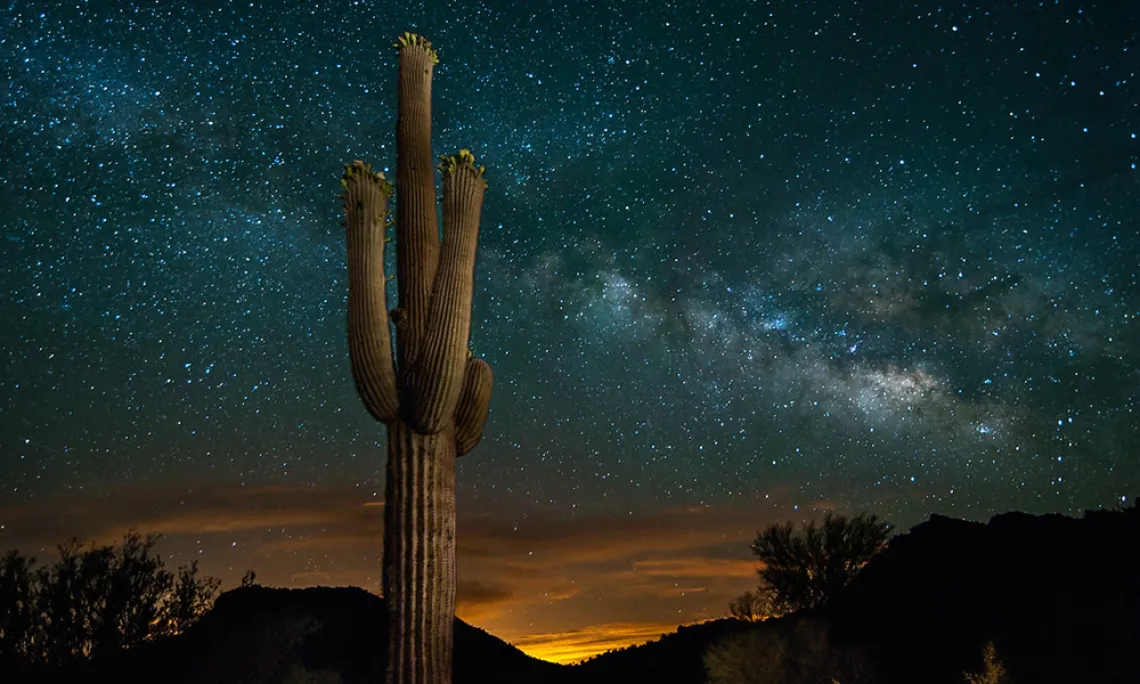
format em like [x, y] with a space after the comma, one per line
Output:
[1058, 596]
[674, 657]
[317, 635]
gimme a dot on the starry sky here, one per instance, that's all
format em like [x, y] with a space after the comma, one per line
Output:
[740, 262]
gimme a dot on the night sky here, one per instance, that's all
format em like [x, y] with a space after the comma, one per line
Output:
[740, 262]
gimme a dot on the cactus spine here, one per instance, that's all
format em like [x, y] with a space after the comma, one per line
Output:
[433, 396]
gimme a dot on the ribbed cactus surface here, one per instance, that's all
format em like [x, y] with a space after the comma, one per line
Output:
[433, 396]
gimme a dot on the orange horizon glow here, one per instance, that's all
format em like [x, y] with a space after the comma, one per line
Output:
[574, 646]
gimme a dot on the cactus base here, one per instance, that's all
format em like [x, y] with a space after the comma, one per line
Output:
[419, 554]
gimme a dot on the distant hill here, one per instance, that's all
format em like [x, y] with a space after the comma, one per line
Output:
[319, 635]
[1059, 596]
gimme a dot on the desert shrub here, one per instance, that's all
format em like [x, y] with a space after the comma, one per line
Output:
[752, 606]
[93, 601]
[756, 656]
[794, 652]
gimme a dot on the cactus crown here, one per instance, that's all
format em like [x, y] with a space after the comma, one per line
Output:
[464, 160]
[406, 39]
[359, 168]
[434, 387]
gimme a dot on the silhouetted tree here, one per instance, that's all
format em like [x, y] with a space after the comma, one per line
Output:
[94, 601]
[248, 579]
[62, 608]
[127, 588]
[17, 607]
[807, 568]
[751, 606]
[191, 597]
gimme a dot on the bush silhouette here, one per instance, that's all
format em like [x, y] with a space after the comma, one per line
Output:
[752, 606]
[752, 657]
[790, 651]
[807, 569]
[249, 579]
[93, 602]
[17, 608]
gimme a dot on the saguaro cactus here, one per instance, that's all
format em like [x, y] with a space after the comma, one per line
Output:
[433, 396]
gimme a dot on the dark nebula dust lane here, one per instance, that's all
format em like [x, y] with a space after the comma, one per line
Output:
[739, 262]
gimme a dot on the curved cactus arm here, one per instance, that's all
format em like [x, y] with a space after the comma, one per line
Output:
[365, 196]
[437, 374]
[417, 223]
[474, 402]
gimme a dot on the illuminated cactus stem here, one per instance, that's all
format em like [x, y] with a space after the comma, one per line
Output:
[431, 393]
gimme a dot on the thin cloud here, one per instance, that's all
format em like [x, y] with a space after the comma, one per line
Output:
[697, 566]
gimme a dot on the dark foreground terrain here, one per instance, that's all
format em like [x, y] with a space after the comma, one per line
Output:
[1059, 597]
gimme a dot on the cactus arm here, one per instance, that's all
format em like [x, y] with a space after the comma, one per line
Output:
[437, 375]
[474, 402]
[417, 224]
[365, 197]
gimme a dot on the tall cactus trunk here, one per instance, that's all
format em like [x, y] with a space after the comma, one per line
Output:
[433, 396]
[419, 554]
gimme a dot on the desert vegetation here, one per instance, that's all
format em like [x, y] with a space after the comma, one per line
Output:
[805, 568]
[94, 600]
[800, 570]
